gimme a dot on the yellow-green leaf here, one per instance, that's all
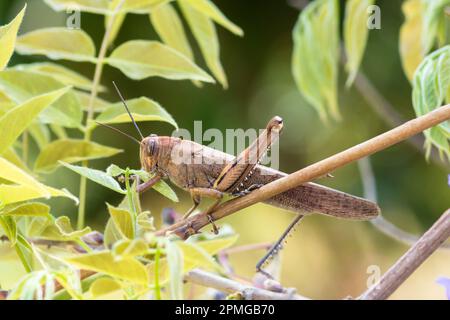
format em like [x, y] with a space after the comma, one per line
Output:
[104, 262]
[14, 174]
[103, 6]
[58, 43]
[123, 221]
[316, 56]
[61, 229]
[145, 221]
[104, 286]
[16, 120]
[170, 29]
[431, 83]
[23, 85]
[140, 59]
[355, 34]
[40, 134]
[12, 156]
[26, 209]
[8, 35]
[97, 176]
[9, 227]
[142, 109]
[111, 234]
[209, 9]
[411, 49]
[205, 33]
[175, 262]
[13, 193]
[194, 256]
[70, 151]
[64, 75]
[216, 245]
[129, 248]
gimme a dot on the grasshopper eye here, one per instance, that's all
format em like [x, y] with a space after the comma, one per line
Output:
[151, 148]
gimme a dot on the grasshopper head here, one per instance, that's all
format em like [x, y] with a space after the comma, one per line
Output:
[149, 153]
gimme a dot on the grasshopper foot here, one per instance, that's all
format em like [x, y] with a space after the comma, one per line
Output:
[211, 221]
[248, 190]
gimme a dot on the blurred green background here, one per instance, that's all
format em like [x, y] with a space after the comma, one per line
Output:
[325, 258]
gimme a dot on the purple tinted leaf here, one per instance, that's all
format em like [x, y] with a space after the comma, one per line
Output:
[445, 282]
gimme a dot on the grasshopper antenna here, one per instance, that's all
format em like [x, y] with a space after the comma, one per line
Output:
[128, 110]
[119, 131]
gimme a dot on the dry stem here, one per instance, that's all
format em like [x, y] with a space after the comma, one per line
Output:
[211, 280]
[411, 260]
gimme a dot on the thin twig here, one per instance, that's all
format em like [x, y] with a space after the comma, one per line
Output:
[411, 260]
[383, 225]
[211, 280]
[193, 224]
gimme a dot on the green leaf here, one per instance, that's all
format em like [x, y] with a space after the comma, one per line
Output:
[142, 109]
[355, 35]
[16, 120]
[99, 104]
[126, 269]
[97, 176]
[13, 193]
[58, 43]
[123, 221]
[104, 286]
[205, 33]
[103, 6]
[21, 86]
[209, 9]
[175, 262]
[140, 59]
[70, 151]
[60, 73]
[40, 134]
[8, 35]
[316, 55]
[170, 29]
[431, 83]
[434, 15]
[163, 188]
[36, 209]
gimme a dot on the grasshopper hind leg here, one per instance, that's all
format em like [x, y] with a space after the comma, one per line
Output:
[277, 246]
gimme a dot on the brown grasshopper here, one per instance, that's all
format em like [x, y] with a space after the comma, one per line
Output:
[206, 172]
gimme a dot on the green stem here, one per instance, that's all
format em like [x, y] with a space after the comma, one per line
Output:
[90, 114]
[130, 200]
[157, 285]
[25, 142]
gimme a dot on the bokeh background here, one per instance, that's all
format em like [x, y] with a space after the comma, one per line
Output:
[325, 257]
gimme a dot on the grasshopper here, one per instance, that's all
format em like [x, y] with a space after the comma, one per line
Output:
[206, 172]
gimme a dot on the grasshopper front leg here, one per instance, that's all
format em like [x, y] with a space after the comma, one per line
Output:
[142, 187]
